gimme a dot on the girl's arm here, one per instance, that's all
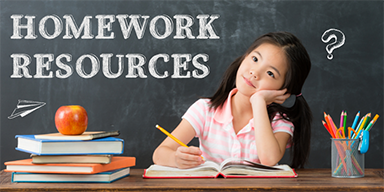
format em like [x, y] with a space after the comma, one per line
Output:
[270, 146]
[170, 153]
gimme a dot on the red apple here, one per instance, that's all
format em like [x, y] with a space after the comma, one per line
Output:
[71, 120]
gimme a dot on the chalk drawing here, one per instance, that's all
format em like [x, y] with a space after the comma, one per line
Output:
[339, 40]
[25, 107]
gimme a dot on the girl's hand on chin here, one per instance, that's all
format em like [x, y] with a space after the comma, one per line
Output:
[270, 96]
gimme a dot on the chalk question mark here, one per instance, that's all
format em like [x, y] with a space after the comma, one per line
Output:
[330, 34]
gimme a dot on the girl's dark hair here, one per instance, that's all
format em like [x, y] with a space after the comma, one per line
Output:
[299, 65]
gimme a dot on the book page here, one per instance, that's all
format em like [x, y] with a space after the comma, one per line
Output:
[251, 171]
[209, 168]
[207, 165]
[235, 162]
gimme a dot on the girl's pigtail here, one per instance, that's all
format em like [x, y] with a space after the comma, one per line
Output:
[301, 116]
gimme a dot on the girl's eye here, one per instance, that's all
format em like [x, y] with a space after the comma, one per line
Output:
[254, 59]
[270, 73]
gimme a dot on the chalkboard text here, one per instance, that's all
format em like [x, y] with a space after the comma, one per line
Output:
[136, 64]
[62, 65]
[138, 23]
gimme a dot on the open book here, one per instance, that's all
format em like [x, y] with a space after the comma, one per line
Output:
[227, 169]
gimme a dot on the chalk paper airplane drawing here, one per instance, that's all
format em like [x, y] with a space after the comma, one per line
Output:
[25, 107]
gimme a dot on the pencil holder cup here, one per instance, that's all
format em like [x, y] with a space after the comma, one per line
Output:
[347, 161]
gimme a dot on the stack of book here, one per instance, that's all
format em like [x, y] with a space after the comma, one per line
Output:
[89, 157]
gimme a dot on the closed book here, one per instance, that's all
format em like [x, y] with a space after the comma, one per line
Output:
[107, 145]
[41, 159]
[103, 177]
[26, 165]
[84, 136]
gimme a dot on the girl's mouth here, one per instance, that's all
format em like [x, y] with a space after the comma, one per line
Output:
[248, 82]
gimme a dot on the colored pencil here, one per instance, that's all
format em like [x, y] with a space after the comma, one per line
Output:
[361, 127]
[372, 122]
[330, 127]
[345, 124]
[355, 121]
[341, 119]
[327, 128]
[367, 121]
[357, 127]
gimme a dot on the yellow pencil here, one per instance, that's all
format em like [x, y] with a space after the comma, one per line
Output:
[173, 137]
[361, 126]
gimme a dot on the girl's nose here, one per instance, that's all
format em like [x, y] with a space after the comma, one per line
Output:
[253, 73]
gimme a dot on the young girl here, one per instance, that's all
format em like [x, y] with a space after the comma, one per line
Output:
[245, 118]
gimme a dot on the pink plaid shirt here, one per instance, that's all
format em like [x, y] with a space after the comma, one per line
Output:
[218, 140]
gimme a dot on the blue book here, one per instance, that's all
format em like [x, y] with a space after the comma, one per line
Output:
[104, 177]
[106, 145]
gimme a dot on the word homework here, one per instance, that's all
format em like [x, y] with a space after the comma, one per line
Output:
[138, 23]
[112, 65]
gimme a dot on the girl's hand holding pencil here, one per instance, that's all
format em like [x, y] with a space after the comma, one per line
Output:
[186, 157]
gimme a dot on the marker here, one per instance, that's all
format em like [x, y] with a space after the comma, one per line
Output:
[173, 137]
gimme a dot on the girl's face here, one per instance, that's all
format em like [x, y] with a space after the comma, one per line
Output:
[263, 69]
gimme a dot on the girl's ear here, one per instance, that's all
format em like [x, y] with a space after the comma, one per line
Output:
[284, 87]
[289, 102]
